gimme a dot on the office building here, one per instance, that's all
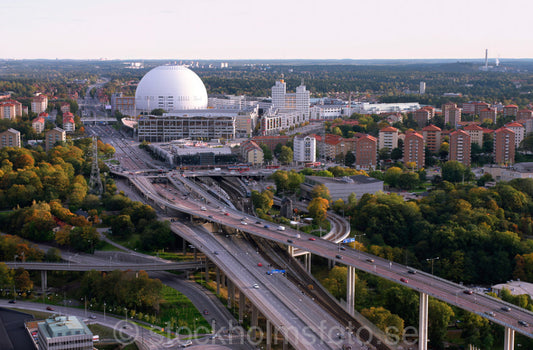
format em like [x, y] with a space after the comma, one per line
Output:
[510, 111]
[488, 113]
[432, 137]
[39, 104]
[519, 132]
[388, 138]
[476, 134]
[304, 149]
[123, 104]
[64, 332]
[524, 114]
[10, 138]
[422, 89]
[68, 122]
[452, 116]
[460, 147]
[54, 136]
[251, 153]
[504, 146]
[413, 150]
[366, 152]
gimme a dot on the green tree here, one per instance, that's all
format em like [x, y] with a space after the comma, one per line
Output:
[453, 171]
[408, 180]
[281, 180]
[439, 315]
[286, 155]
[384, 320]
[392, 176]
[349, 159]
[267, 153]
[318, 209]
[320, 191]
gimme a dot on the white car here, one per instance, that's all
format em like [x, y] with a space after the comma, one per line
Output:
[256, 286]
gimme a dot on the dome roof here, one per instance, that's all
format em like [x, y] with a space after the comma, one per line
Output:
[170, 88]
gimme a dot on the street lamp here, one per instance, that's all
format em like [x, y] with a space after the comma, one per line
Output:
[432, 260]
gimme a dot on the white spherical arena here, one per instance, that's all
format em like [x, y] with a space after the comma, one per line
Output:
[171, 88]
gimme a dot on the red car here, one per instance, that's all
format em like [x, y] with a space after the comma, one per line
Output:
[404, 280]
[312, 239]
[227, 214]
[259, 264]
[49, 308]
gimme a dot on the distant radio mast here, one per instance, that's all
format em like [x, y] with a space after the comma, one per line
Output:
[486, 59]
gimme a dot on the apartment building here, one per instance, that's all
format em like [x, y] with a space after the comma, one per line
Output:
[504, 146]
[460, 147]
[413, 149]
[432, 137]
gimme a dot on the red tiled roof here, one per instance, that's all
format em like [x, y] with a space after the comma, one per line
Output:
[389, 128]
[43, 114]
[38, 120]
[431, 127]
[473, 127]
[514, 125]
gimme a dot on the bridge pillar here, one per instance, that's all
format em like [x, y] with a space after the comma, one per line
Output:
[218, 280]
[307, 260]
[206, 271]
[290, 249]
[44, 280]
[423, 322]
[268, 335]
[242, 305]
[350, 290]
[230, 296]
[508, 343]
[255, 316]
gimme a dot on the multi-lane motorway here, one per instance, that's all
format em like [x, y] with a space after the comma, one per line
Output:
[455, 294]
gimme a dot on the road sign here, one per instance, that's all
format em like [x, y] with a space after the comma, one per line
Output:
[349, 240]
[275, 271]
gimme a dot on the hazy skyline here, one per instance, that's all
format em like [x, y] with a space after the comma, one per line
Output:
[277, 29]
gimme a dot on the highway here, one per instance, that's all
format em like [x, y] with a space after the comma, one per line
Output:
[105, 266]
[447, 291]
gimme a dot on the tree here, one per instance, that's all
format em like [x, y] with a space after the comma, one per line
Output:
[392, 175]
[439, 315]
[396, 153]
[294, 180]
[267, 153]
[320, 191]
[281, 180]
[384, 320]
[408, 180]
[318, 209]
[22, 280]
[263, 200]
[349, 159]
[286, 155]
[453, 171]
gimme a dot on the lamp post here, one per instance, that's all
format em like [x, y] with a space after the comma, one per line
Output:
[432, 260]
[104, 310]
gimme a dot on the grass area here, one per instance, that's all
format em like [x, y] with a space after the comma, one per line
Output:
[106, 247]
[107, 333]
[131, 242]
[178, 311]
[173, 256]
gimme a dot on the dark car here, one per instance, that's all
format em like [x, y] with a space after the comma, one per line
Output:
[506, 308]
[523, 323]
[206, 312]
[342, 248]
[468, 291]
[338, 256]
[411, 271]
[258, 222]
[290, 241]
[370, 260]
[49, 308]
[12, 301]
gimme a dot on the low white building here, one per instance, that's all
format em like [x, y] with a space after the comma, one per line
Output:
[304, 149]
[64, 332]
[507, 173]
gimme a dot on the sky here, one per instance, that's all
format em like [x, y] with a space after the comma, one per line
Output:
[273, 29]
